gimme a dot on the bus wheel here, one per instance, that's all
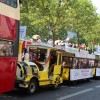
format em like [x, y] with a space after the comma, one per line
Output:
[32, 87]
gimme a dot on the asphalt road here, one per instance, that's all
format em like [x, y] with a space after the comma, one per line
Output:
[81, 91]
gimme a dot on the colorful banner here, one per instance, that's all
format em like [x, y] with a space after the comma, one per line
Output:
[97, 71]
[77, 74]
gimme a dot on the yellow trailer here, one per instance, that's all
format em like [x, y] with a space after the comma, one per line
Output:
[42, 66]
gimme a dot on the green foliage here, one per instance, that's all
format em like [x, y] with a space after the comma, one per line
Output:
[54, 18]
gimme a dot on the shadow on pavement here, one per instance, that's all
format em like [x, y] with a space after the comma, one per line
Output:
[21, 94]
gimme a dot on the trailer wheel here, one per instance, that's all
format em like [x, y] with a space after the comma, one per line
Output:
[32, 86]
[55, 86]
[57, 83]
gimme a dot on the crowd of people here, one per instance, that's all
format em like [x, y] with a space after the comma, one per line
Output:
[63, 43]
[68, 44]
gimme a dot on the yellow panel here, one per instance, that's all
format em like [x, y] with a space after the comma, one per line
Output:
[43, 75]
[57, 69]
[45, 82]
[28, 78]
[93, 72]
[29, 70]
[65, 74]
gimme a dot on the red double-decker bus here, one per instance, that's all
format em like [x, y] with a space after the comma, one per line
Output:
[9, 34]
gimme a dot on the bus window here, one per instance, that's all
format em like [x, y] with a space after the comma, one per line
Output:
[74, 63]
[91, 63]
[85, 63]
[98, 63]
[6, 48]
[65, 61]
[12, 3]
[80, 63]
[71, 60]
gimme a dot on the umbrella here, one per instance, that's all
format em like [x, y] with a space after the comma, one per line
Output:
[67, 40]
[36, 37]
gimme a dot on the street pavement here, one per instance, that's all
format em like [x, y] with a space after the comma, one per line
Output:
[81, 91]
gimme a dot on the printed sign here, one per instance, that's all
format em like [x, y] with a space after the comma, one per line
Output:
[76, 74]
[22, 32]
[98, 49]
[97, 71]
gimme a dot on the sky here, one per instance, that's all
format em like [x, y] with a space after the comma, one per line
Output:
[96, 3]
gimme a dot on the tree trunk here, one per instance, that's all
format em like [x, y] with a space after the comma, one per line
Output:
[53, 38]
[78, 41]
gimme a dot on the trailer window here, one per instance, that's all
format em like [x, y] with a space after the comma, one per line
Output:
[98, 63]
[76, 63]
[65, 61]
[91, 63]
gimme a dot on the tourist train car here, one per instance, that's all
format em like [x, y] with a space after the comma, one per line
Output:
[41, 68]
[78, 65]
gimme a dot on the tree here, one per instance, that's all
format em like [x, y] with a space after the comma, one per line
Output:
[94, 35]
[84, 17]
[54, 18]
